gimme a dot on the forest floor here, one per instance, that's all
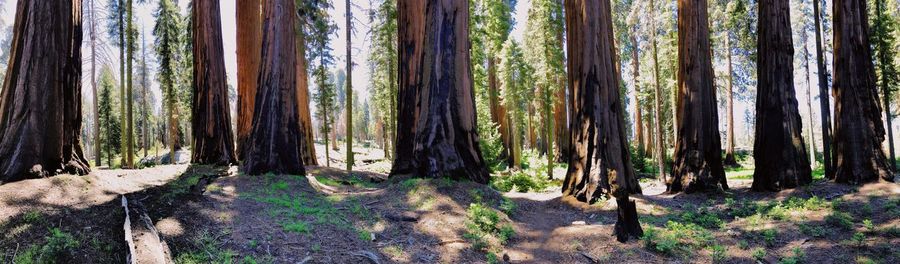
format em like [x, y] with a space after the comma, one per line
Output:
[216, 215]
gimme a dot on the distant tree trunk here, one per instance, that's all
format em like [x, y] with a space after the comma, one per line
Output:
[657, 92]
[498, 111]
[210, 119]
[270, 146]
[779, 150]
[40, 104]
[122, 74]
[859, 130]
[249, 46]
[730, 160]
[129, 127]
[436, 131]
[638, 114]
[698, 148]
[560, 115]
[145, 105]
[812, 139]
[348, 137]
[96, 108]
[308, 145]
[885, 86]
[600, 163]
[823, 96]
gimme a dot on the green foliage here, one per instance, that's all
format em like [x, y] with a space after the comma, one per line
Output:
[858, 239]
[795, 258]
[32, 216]
[676, 238]
[508, 206]
[521, 181]
[812, 230]
[110, 127]
[206, 250]
[718, 253]
[769, 236]
[759, 254]
[58, 247]
[704, 218]
[840, 219]
[484, 228]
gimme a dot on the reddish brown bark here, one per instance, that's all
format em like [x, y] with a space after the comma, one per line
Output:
[859, 130]
[249, 45]
[40, 104]
[272, 143]
[307, 146]
[698, 148]
[600, 163]
[436, 130]
[780, 153]
[211, 121]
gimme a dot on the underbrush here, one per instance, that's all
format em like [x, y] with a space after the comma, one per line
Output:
[58, 247]
[486, 231]
[531, 178]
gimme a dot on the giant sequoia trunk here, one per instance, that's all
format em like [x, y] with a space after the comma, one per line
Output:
[211, 122]
[436, 130]
[307, 145]
[779, 150]
[272, 143]
[858, 127]
[249, 46]
[823, 96]
[698, 148]
[599, 162]
[40, 105]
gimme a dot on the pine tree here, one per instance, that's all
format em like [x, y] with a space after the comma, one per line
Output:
[167, 51]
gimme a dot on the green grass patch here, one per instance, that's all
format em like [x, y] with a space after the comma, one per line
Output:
[840, 219]
[485, 230]
[58, 247]
[676, 238]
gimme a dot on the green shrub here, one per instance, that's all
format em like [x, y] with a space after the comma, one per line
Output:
[858, 239]
[812, 230]
[703, 218]
[58, 247]
[769, 236]
[676, 238]
[489, 141]
[840, 219]
[521, 181]
[718, 253]
[796, 258]
[758, 254]
[483, 226]
[507, 206]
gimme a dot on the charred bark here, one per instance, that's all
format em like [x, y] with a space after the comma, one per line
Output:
[249, 46]
[272, 143]
[779, 150]
[599, 162]
[859, 130]
[436, 130]
[698, 148]
[211, 121]
[40, 104]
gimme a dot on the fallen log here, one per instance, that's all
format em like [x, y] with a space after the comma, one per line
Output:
[144, 242]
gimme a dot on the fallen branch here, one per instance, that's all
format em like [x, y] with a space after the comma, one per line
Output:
[367, 254]
[404, 217]
[145, 245]
[443, 243]
[589, 257]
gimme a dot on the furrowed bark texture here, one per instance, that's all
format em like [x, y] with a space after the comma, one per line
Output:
[211, 122]
[698, 148]
[307, 145]
[859, 130]
[272, 143]
[779, 150]
[40, 105]
[599, 161]
[436, 133]
[249, 46]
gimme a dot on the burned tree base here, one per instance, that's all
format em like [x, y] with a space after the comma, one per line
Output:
[627, 225]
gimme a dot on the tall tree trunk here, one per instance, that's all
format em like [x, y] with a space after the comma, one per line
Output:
[657, 94]
[210, 118]
[812, 139]
[308, 145]
[638, 113]
[823, 96]
[498, 111]
[145, 106]
[859, 130]
[122, 70]
[96, 106]
[129, 128]
[885, 89]
[600, 163]
[560, 115]
[730, 160]
[436, 130]
[780, 153]
[275, 123]
[249, 46]
[349, 92]
[698, 148]
[40, 104]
